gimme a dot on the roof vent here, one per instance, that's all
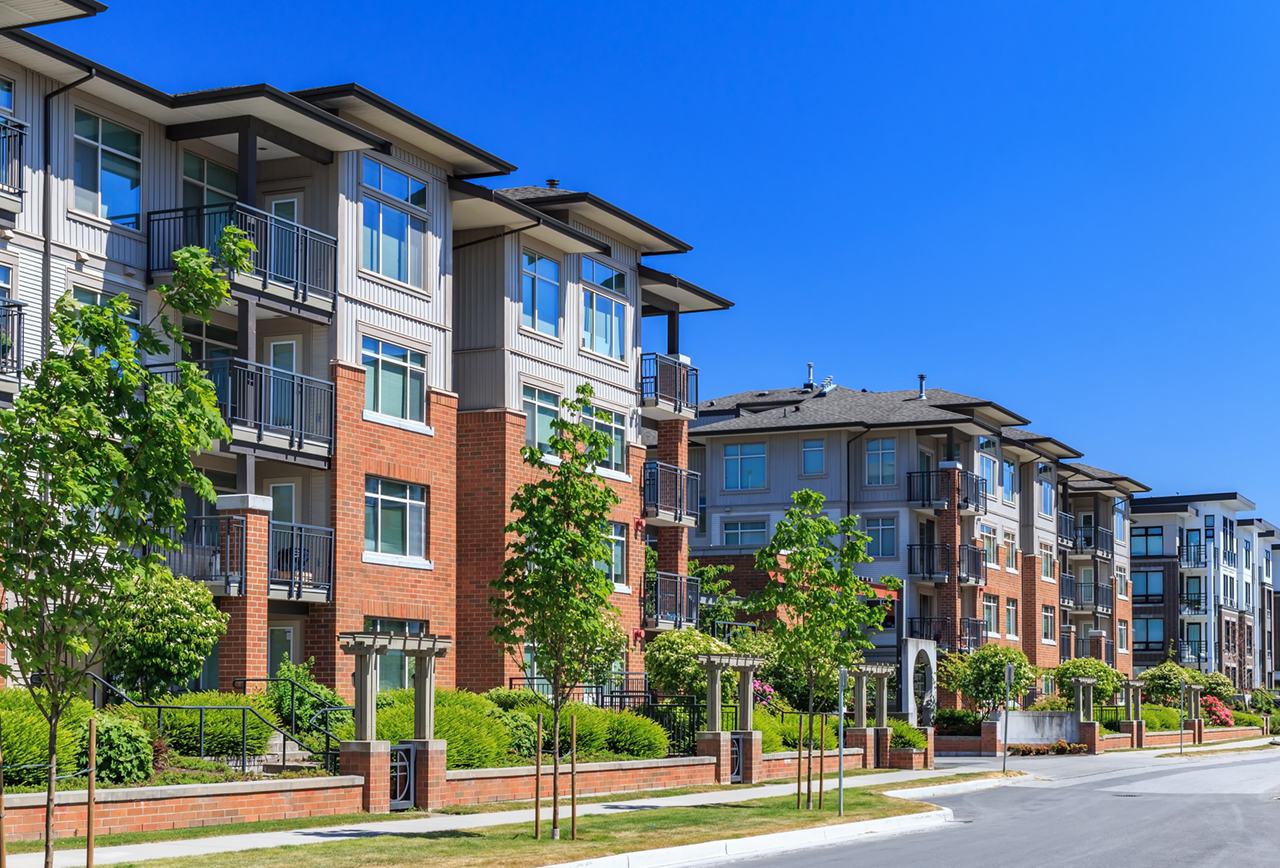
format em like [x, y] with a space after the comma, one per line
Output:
[921, 376]
[827, 385]
[809, 384]
[553, 183]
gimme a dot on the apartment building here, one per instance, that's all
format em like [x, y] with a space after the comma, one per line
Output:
[1202, 576]
[997, 535]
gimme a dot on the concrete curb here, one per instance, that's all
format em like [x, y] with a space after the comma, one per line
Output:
[915, 794]
[760, 845]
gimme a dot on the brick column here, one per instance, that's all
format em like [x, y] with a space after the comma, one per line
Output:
[428, 773]
[883, 736]
[1197, 730]
[1097, 647]
[372, 761]
[991, 745]
[928, 749]
[242, 652]
[752, 756]
[863, 739]
[1091, 736]
[673, 542]
[716, 744]
[1136, 730]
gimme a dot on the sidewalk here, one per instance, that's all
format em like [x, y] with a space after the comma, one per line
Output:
[106, 855]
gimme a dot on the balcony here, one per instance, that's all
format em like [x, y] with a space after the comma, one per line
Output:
[970, 636]
[1106, 652]
[1193, 604]
[12, 320]
[971, 565]
[931, 562]
[1229, 558]
[301, 565]
[945, 489]
[936, 629]
[1095, 596]
[1193, 651]
[1066, 530]
[279, 410]
[671, 601]
[212, 552]
[670, 495]
[291, 263]
[668, 387]
[1095, 541]
[1066, 644]
[13, 135]
[1067, 590]
[1193, 556]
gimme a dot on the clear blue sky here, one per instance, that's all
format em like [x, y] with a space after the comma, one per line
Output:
[1068, 209]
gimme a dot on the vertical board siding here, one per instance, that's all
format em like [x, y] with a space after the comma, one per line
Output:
[478, 303]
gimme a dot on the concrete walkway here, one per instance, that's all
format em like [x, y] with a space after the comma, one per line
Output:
[104, 855]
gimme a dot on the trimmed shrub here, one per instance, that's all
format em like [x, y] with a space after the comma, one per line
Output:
[1243, 718]
[1160, 719]
[1163, 684]
[671, 660]
[906, 735]
[1262, 702]
[593, 728]
[789, 731]
[26, 737]
[769, 728]
[510, 700]
[476, 740]
[951, 721]
[636, 736]
[124, 752]
[522, 732]
[1218, 686]
[1109, 680]
[1059, 747]
[222, 729]
[1052, 703]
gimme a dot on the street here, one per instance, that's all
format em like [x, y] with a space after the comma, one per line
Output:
[1117, 809]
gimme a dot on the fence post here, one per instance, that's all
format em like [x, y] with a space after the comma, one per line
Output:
[799, 755]
[822, 761]
[93, 781]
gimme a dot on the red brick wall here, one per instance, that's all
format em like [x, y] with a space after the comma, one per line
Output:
[468, 787]
[961, 744]
[673, 542]
[242, 651]
[906, 758]
[783, 765]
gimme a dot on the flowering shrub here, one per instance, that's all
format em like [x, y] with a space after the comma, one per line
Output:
[1218, 714]
[763, 692]
[1058, 747]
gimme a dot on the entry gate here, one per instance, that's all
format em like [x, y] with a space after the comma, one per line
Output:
[402, 776]
[735, 757]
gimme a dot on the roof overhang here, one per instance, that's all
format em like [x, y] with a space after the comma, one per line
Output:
[353, 100]
[476, 207]
[1003, 416]
[697, 435]
[664, 293]
[648, 238]
[1183, 503]
[1046, 447]
[33, 13]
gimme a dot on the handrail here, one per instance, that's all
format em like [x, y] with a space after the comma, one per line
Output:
[1067, 588]
[13, 135]
[937, 629]
[672, 597]
[292, 550]
[931, 560]
[326, 710]
[671, 488]
[664, 378]
[12, 322]
[1193, 555]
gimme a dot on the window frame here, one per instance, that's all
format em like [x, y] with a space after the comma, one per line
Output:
[532, 418]
[763, 530]
[11, 108]
[99, 147]
[1008, 479]
[203, 182]
[1122, 635]
[807, 448]
[877, 534]
[616, 428]
[1010, 618]
[374, 381]
[1047, 559]
[410, 503]
[1010, 551]
[616, 537]
[412, 212]
[592, 292]
[990, 553]
[879, 453]
[1049, 624]
[1146, 536]
[991, 614]
[738, 458]
[531, 313]
[1044, 473]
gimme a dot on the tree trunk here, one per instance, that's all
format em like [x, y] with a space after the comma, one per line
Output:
[48, 799]
[555, 775]
[808, 801]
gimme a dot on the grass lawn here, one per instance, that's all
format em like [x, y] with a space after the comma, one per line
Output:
[598, 835]
[942, 781]
[1196, 753]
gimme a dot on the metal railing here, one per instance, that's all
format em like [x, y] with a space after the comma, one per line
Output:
[672, 489]
[927, 487]
[1067, 590]
[970, 635]
[931, 560]
[1229, 557]
[1095, 595]
[671, 598]
[331, 742]
[618, 689]
[932, 488]
[937, 629]
[1193, 650]
[664, 379]
[1193, 604]
[1193, 555]
[1095, 539]
[13, 135]
[973, 492]
[1067, 528]
[1109, 652]
[1066, 644]
[1109, 716]
[301, 559]
[12, 320]
[269, 400]
[726, 630]
[287, 253]
[211, 550]
[971, 564]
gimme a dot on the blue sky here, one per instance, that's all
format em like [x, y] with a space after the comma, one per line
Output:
[1070, 209]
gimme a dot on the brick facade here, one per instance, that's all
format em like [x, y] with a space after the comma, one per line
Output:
[242, 651]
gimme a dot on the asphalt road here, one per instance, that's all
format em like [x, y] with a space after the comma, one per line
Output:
[1114, 810]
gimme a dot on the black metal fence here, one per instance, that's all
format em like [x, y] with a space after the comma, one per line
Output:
[301, 559]
[1067, 528]
[1194, 651]
[1109, 716]
[927, 487]
[12, 320]
[1095, 595]
[972, 492]
[971, 565]
[1193, 604]
[667, 380]
[970, 634]
[670, 489]
[671, 599]
[1095, 539]
[930, 560]
[937, 629]
[13, 135]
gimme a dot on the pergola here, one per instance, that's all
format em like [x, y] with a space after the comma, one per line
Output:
[881, 673]
[746, 668]
[424, 648]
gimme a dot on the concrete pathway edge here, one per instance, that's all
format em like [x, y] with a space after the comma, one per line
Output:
[917, 793]
[760, 845]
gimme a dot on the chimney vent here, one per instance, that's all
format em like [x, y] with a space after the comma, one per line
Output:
[553, 183]
[921, 386]
[809, 383]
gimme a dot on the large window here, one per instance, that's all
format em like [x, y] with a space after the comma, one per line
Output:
[208, 340]
[1148, 634]
[1119, 520]
[1148, 541]
[395, 518]
[540, 292]
[613, 425]
[395, 668]
[616, 566]
[744, 533]
[1048, 627]
[744, 466]
[108, 170]
[1011, 617]
[1010, 551]
[1046, 561]
[541, 408]
[395, 380]
[990, 553]
[1122, 635]
[604, 316]
[98, 298]
[884, 537]
[206, 183]
[1010, 486]
[881, 469]
[392, 243]
[1044, 473]
[987, 463]
[6, 94]
[990, 614]
[6, 282]
[1122, 581]
[813, 459]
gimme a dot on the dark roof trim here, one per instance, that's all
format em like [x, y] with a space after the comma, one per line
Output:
[552, 203]
[1034, 443]
[478, 192]
[88, 9]
[655, 276]
[695, 432]
[1188, 499]
[991, 405]
[500, 166]
[264, 130]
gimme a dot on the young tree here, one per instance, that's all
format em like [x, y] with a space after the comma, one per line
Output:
[92, 457]
[982, 677]
[821, 602]
[553, 596]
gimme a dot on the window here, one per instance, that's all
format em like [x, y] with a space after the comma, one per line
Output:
[880, 462]
[541, 408]
[1122, 581]
[395, 518]
[1119, 521]
[1248, 555]
[1045, 474]
[540, 289]
[1148, 634]
[1011, 617]
[1048, 629]
[744, 466]
[392, 243]
[6, 282]
[744, 533]
[884, 537]
[395, 380]
[1046, 561]
[208, 340]
[987, 462]
[1010, 480]
[613, 425]
[604, 318]
[813, 457]
[395, 668]
[108, 170]
[991, 613]
[1148, 541]
[1010, 551]
[206, 183]
[1122, 635]
[989, 551]
[616, 566]
[6, 94]
[98, 298]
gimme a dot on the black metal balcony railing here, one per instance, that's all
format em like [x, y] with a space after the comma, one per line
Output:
[1109, 652]
[270, 400]
[1067, 528]
[961, 489]
[211, 550]
[1229, 557]
[12, 319]
[1095, 539]
[973, 492]
[1193, 604]
[971, 565]
[667, 380]
[1095, 595]
[671, 598]
[670, 489]
[927, 488]
[13, 134]
[930, 560]
[1193, 651]
[1067, 590]
[937, 629]
[970, 636]
[1193, 555]
[287, 253]
[301, 559]
[1066, 645]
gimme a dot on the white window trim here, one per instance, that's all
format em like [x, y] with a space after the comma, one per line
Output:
[1053, 642]
[397, 561]
[621, 589]
[87, 216]
[412, 210]
[825, 469]
[395, 422]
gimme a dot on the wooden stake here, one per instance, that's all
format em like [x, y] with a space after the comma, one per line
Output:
[799, 755]
[808, 800]
[3, 854]
[93, 781]
[537, 784]
[822, 761]
[573, 777]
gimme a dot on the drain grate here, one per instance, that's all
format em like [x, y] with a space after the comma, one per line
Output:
[1127, 795]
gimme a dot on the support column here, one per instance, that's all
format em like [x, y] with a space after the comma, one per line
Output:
[716, 744]
[424, 697]
[242, 651]
[673, 542]
[882, 701]
[372, 761]
[859, 701]
[713, 699]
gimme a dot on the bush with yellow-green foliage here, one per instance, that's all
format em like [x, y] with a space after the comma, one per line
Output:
[25, 734]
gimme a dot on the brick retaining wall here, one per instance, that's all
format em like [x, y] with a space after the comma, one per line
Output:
[477, 786]
[780, 766]
[958, 745]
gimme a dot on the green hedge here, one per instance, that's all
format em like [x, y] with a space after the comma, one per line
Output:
[26, 736]
[952, 721]
[637, 736]
[1160, 719]
[906, 735]
[124, 753]
[1242, 718]
[770, 730]
[222, 729]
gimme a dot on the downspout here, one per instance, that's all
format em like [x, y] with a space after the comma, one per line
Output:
[46, 294]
